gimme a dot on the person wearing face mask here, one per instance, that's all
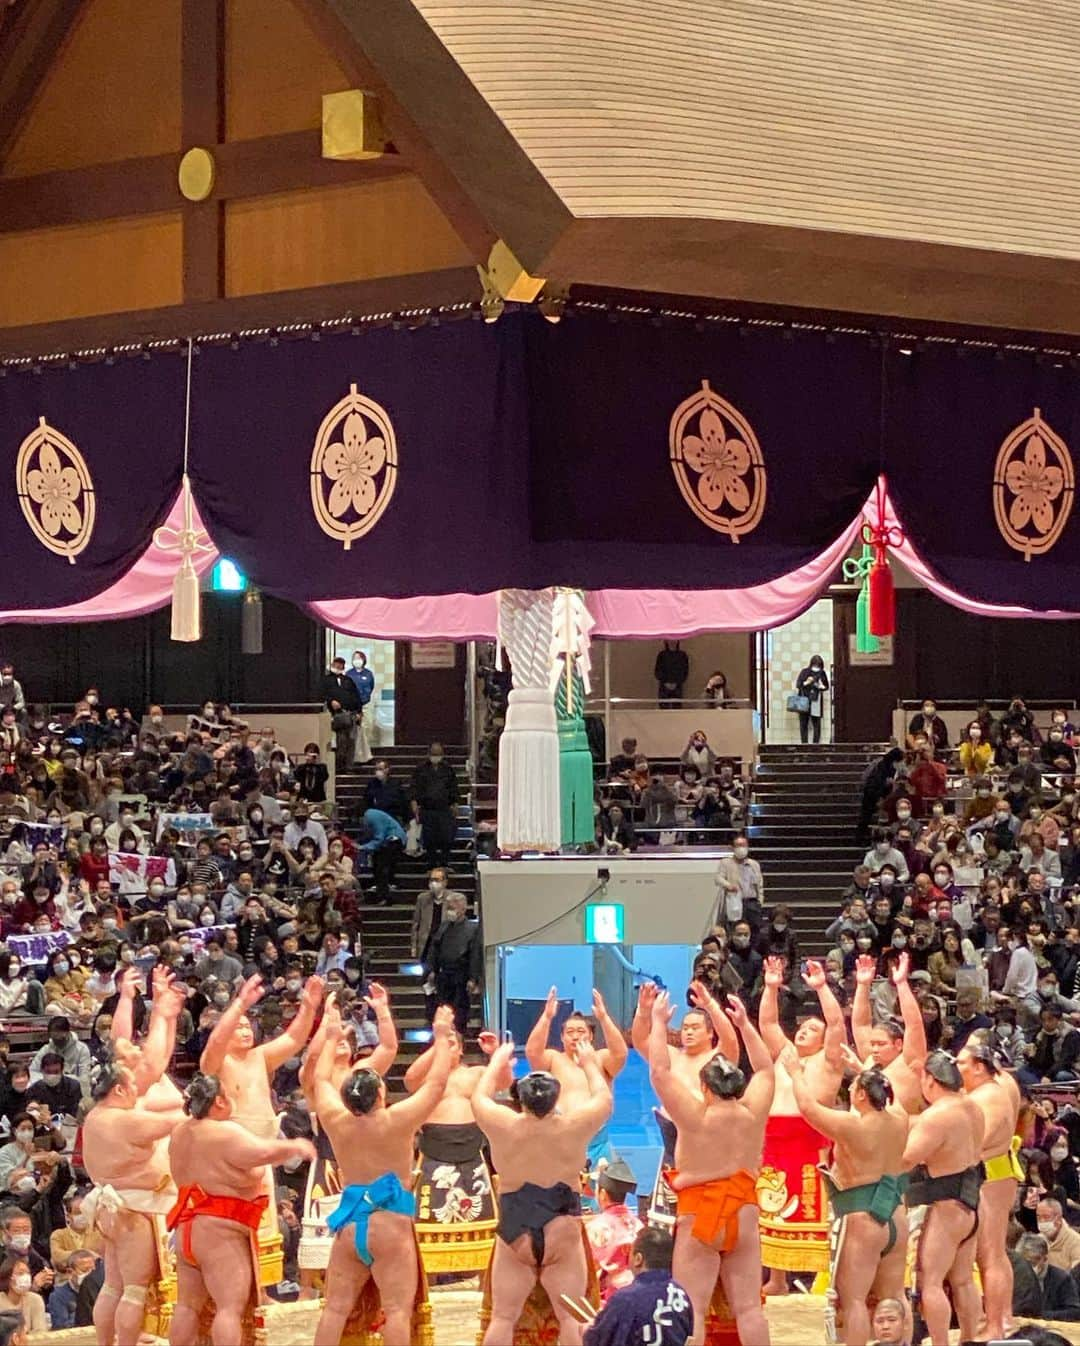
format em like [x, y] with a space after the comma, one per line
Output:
[929, 724]
[82, 1275]
[740, 887]
[11, 691]
[60, 1093]
[18, 1296]
[1054, 1055]
[363, 680]
[811, 684]
[777, 938]
[385, 793]
[747, 962]
[882, 853]
[976, 755]
[74, 1055]
[19, 994]
[1064, 1241]
[1055, 753]
[64, 993]
[1003, 825]
[427, 914]
[385, 843]
[435, 794]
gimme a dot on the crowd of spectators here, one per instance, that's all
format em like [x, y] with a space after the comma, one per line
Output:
[211, 850]
[701, 799]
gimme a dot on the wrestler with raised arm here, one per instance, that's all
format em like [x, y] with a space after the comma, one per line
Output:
[537, 1153]
[998, 1098]
[451, 1140]
[244, 1069]
[944, 1152]
[218, 1166]
[721, 1132]
[150, 1059]
[899, 1049]
[792, 1146]
[128, 1163]
[374, 1146]
[574, 1088]
[866, 1186]
[382, 1056]
[705, 1033]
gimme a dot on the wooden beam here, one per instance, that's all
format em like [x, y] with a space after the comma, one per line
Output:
[36, 32]
[341, 25]
[288, 162]
[393, 294]
[202, 122]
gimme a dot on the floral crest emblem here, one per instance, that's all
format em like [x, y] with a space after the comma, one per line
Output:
[1033, 487]
[55, 491]
[717, 463]
[353, 468]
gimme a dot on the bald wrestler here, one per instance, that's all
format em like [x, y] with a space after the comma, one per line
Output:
[126, 1160]
[537, 1153]
[897, 1049]
[792, 1147]
[998, 1099]
[374, 1147]
[720, 1134]
[574, 1088]
[705, 1033]
[866, 1186]
[944, 1152]
[219, 1167]
[244, 1069]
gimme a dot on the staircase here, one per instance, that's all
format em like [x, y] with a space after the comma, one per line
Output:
[386, 930]
[802, 829]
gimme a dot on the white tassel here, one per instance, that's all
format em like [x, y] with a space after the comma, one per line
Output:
[186, 603]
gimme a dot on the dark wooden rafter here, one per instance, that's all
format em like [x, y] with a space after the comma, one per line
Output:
[32, 35]
[439, 122]
[405, 295]
[291, 161]
[202, 122]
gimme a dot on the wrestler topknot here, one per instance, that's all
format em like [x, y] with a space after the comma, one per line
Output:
[360, 1092]
[200, 1094]
[538, 1092]
[723, 1079]
[942, 1067]
[875, 1085]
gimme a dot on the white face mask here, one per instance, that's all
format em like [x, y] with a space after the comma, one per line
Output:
[79, 1221]
[21, 1284]
[436, 885]
[740, 852]
[1060, 1153]
[1048, 1228]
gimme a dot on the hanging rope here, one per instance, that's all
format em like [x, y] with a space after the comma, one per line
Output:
[880, 535]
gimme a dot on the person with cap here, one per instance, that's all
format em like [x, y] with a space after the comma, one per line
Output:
[998, 1099]
[218, 1167]
[717, 1156]
[866, 1189]
[612, 1232]
[652, 1307]
[537, 1153]
[373, 1143]
[898, 1049]
[944, 1153]
[305, 824]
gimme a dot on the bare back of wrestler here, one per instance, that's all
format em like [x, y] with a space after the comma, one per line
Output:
[538, 1153]
[123, 1149]
[373, 1142]
[868, 1146]
[998, 1098]
[244, 1067]
[945, 1142]
[219, 1165]
[720, 1135]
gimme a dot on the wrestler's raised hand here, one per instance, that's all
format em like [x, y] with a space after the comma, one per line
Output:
[171, 999]
[487, 1042]
[502, 1056]
[736, 1012]
[700, 995]
[128, 983]
[443, 1024]
[161, 978]
[377, 997]
[814, 976]
[900, 969]
[251, 992]
[583, 1053]
[663, 1009]
[774, 972]
[851, 1061]
[598, 1006]
[646, 996]
[865, 969]
[332, 1019]
[551, 1004]
[312, 994]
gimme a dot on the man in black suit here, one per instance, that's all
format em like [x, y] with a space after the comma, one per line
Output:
[1060, 1293]
[343, 702]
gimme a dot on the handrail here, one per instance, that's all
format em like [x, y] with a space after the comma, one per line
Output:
[595, 704]
[961, 703]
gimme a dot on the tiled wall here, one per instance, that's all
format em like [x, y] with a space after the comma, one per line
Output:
[789, 649]
[380, 658]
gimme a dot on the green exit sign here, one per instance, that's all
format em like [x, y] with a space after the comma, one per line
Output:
[605, 923]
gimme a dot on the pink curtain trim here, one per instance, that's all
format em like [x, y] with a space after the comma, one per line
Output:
[922, 572]
[441, 617]
[146, 587]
